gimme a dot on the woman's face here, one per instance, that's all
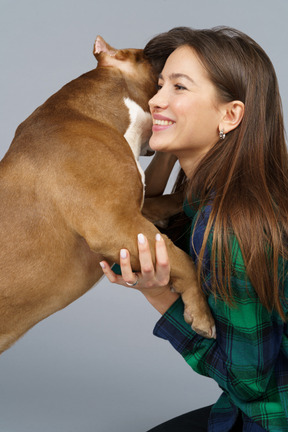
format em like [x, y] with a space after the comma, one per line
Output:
[185, 110]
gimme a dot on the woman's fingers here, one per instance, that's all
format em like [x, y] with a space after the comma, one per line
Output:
[113, 277]
[150, 276]
[159, 275]
[126, 269]
[162, 261]
[147, 267]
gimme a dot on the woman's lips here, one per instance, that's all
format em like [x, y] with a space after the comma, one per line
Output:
[161, 123]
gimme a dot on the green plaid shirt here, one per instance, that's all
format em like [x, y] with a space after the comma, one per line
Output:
[249, 358]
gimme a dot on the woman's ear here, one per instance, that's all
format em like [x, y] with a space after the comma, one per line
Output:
[234, 112]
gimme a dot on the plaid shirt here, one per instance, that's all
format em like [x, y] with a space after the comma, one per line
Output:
[249, 358]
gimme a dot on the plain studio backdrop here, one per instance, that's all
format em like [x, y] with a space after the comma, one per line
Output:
[95, 366]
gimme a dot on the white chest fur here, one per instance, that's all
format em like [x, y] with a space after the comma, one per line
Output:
[138, 132]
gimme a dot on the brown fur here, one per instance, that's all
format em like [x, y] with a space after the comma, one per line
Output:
[71, 196]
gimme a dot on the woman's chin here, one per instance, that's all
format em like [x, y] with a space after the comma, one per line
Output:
[156, 144]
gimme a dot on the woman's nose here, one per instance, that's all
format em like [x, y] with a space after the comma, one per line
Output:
[159, 100]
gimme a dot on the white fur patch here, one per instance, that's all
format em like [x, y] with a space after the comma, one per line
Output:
[138, 132]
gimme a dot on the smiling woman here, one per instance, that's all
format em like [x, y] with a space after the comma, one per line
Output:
[218, 110]
[186, 110]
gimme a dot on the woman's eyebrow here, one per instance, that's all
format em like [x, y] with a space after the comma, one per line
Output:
[178, 75]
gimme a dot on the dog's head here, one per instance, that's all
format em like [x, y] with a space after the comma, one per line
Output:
[140, 77]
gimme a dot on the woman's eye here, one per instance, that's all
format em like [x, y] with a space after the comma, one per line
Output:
[180, 87]
[159, 86]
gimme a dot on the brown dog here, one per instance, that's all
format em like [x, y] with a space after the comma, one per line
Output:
[71, 193]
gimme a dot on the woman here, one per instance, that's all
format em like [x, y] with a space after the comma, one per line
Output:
[218, 111]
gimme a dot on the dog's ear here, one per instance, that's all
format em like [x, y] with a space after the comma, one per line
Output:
[122, 59]
[103, 52]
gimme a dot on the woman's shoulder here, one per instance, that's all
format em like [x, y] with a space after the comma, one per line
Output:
[197, 211]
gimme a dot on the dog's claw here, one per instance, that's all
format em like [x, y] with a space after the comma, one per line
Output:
[211, 334]
[214, 334]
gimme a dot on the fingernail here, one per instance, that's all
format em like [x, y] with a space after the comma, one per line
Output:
[102, 265]
[123, 253]
[158, 237]
[141, 238]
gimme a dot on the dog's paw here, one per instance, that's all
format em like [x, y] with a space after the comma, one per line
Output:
[204, 326]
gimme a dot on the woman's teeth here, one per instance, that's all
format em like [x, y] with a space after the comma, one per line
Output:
[162, 122]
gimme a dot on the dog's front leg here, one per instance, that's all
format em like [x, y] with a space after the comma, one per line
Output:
[122, 233]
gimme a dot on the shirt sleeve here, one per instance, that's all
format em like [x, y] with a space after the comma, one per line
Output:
[242, 358]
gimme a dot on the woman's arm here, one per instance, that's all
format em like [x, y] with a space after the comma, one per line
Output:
[157, 173]
[249, 356]
[152, 282]
[243, 357]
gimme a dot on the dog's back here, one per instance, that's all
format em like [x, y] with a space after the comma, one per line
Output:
[71, 193]
[65, 166]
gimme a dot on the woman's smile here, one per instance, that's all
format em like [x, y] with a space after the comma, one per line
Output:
[161, 123]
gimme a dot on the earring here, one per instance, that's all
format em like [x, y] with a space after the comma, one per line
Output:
[222, 135]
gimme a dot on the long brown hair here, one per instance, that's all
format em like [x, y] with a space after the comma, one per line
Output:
[247, 172]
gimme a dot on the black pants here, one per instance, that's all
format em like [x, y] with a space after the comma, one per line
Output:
[194, 421]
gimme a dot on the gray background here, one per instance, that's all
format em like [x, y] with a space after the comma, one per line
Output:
[96, 366]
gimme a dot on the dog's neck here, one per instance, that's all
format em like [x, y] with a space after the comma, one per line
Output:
[138, 131]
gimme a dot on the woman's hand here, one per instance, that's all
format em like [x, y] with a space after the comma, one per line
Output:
[152, 281]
